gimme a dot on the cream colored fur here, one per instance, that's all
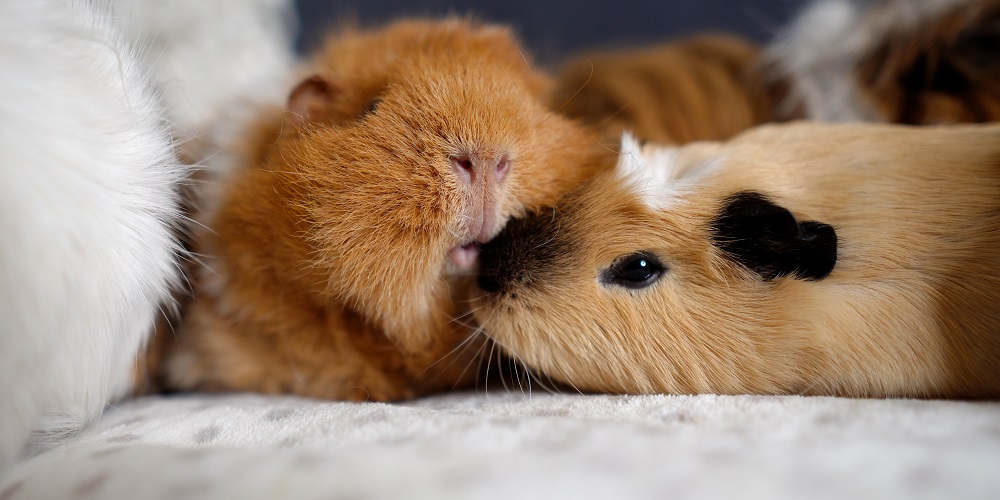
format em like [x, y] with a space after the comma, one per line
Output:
[204, 55]
[910, 308]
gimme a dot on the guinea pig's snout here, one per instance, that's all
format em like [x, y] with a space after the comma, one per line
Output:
[528, 251]
[481, 184]
[499, 263]
[473, 168]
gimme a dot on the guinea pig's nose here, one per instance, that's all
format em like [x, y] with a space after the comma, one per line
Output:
[487, 283]
[474, 168]
[495, 267]
[525, 253]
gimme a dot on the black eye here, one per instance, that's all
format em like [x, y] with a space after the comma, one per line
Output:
[637, 270]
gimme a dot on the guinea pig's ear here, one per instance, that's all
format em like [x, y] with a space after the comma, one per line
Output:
[310, 100]
[766, 238]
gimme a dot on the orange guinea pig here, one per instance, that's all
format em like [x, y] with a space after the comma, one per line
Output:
[692, 89]
[852, 260]
[338, 255]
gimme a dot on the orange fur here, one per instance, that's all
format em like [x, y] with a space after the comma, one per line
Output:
[328, 255]
[699, 88]
[910, 308]
[329, 275]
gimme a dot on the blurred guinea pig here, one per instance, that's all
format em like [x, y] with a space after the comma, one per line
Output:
[897, 61]
[894, 61]
[344, 238]
[690, 89]
[851, 260]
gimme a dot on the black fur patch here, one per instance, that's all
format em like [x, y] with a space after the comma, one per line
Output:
[767, 239]
[527, 250]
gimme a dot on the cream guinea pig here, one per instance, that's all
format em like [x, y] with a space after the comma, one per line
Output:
[852, 260]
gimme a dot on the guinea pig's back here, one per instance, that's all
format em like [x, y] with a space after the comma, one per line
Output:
[915, 289]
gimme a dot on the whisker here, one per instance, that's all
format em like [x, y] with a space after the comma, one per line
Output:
[538, 380]
[479, 365]
[503, 378]
[517, 374]
[489, 362]
[450, 353]
[589, 77]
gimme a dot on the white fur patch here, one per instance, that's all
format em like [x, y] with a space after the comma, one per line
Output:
[204, 53]
[87, 203]
[91, 182]
[657, 174]
[820, 50]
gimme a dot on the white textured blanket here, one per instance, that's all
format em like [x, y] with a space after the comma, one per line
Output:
[507, 445]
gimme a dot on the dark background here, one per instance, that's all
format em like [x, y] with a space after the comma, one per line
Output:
[552, 29]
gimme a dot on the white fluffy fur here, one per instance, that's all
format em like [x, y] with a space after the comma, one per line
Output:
[203, 53]
[90, 185]
[657, 173]
[88, 197]
[90, 182]
[820, 49]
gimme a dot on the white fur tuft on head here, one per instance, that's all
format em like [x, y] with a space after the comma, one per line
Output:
[655, 172]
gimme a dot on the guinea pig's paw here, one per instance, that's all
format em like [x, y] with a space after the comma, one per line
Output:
[766, 239]
[377, 393]
[369, 385]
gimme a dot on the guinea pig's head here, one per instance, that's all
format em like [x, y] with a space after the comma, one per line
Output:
[411, 145]
[644, 280]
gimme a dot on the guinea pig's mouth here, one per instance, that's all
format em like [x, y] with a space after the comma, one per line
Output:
[464, 256]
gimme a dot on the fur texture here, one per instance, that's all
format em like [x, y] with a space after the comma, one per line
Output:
[701, 88]
[698, 88]
[87, 202]
[609, 292]
[900, 61]
[203, 56]
[212, 78]
[337, 252]
[904, 61]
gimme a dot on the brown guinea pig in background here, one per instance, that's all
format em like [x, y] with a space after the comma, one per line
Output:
[339, 250]
[691, 89]
[851, 260]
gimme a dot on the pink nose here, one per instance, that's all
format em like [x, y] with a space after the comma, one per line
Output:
[473, 169]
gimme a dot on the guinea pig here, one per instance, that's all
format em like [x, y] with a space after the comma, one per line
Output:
[900, 61]
[852, 260]
[692, 89]
[343, 241]
[895, 61]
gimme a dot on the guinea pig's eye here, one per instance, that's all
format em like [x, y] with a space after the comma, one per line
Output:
[637, 270]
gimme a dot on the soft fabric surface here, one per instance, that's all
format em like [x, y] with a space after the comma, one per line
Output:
[508, 445]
